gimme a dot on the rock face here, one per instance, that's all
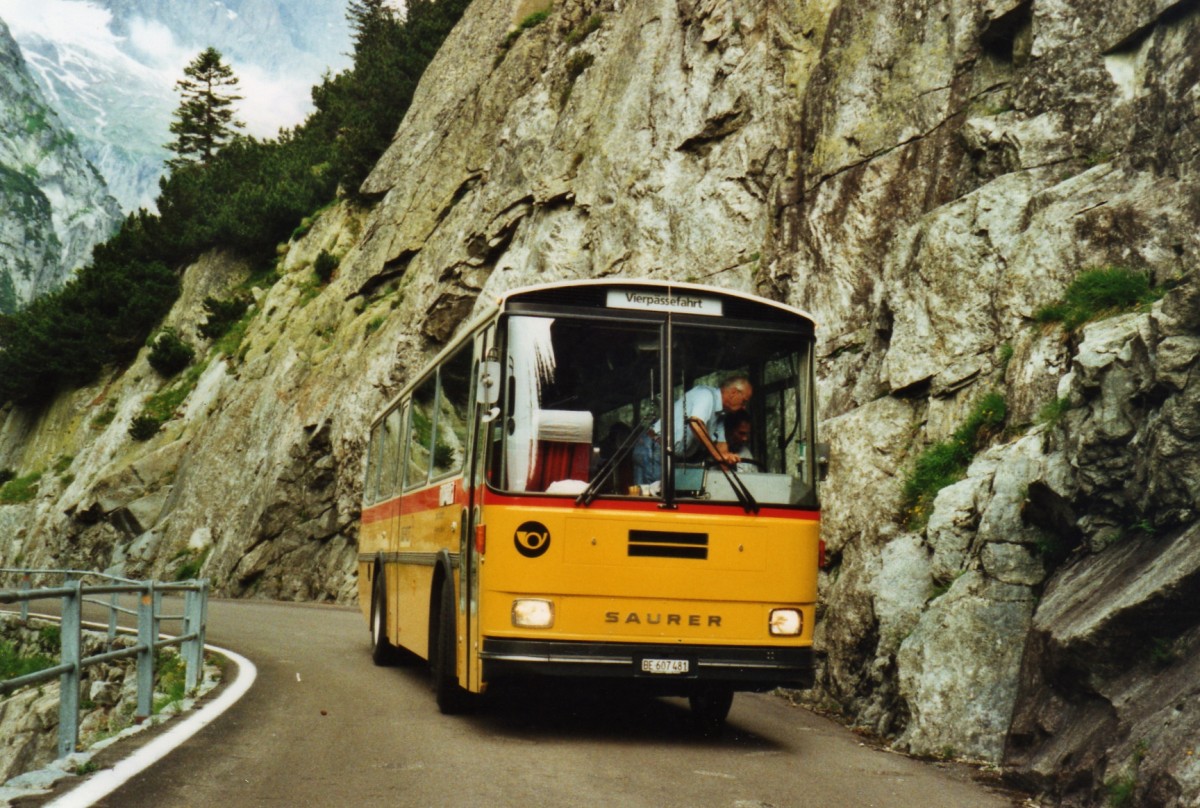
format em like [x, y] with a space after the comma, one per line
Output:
[53, 205]
[923, 177]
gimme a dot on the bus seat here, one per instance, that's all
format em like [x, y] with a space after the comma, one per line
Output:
[564, 447]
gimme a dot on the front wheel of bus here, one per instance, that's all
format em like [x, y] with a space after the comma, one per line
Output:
[710, 708]
[451, 699]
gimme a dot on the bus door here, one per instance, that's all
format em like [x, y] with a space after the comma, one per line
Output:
[486, 387]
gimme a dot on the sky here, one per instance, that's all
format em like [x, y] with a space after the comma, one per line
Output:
[152, 53]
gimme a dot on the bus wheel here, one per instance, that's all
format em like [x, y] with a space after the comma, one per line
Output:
[382, 651]
[451, 699]
[710, 708]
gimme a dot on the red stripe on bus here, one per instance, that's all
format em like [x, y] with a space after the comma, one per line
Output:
[647, 506]
[423, 499]
[427, 499]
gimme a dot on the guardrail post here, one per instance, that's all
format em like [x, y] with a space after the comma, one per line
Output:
[25, 585]
[114, 603]
[192, 650]
[68, 703]
[147, 636]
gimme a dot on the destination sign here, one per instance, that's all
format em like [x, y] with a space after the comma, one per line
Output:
[679, 302]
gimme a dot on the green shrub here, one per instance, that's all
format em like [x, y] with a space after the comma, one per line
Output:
[946, 462]
[324, 266]
[170, 354]
[222, 314]
[6, 475]
[1099, 292]
[144, 427]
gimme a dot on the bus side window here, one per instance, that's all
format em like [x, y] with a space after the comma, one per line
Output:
[371, 482]
[454, 413]
[389, 446]
[420, 433]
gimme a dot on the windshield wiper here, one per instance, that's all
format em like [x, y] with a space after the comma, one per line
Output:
[700, 430]
[606, 470]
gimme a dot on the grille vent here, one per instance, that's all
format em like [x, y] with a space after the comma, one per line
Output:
[664, 544]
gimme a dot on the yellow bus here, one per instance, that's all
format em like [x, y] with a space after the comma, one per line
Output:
[525, 513]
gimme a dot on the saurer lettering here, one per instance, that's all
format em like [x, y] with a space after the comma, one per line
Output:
[659, 618]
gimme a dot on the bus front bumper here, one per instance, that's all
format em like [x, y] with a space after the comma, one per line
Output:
[669, 668]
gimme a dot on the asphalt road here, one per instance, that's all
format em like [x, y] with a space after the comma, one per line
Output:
[322, 726]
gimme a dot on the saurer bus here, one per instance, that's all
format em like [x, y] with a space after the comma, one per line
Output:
[550, 497]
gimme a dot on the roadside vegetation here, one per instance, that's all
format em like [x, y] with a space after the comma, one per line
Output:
[227, 191]
[946, 462]
[1099, 293]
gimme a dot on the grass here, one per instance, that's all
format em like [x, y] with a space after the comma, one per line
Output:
[162, 406]
[534, 19]
[585, 29]
[1120, 790]
[171, 686]
[1052, 412]
[231, 341]
[13, 664]
[946, 462]
[106, 416]
[20, 489]
[1100, 293]
[190, 569]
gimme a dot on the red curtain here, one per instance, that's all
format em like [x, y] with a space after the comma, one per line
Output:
[558, 460]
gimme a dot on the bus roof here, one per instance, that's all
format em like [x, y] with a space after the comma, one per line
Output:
[671, 286]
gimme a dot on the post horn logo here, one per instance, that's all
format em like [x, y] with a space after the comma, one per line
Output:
[532, 539]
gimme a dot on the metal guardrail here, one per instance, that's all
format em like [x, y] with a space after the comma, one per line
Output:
[74, 593]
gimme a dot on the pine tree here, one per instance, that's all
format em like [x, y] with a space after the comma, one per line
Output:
[204, 121]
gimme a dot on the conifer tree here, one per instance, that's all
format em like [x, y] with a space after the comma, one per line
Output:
[204, 121]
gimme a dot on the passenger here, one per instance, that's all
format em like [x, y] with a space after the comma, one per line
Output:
[710, 405]
[737, 437]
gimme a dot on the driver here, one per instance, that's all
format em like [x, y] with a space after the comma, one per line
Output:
[710, 405]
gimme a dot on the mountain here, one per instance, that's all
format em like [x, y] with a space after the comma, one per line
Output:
[53, 205]
[926, 178]
[109, 69]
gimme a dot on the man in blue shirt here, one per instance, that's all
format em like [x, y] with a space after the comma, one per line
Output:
[709, 404]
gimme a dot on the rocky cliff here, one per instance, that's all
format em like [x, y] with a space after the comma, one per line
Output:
[923, 177]
[53, 205]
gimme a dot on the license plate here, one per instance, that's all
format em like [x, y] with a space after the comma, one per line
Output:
[668, 666]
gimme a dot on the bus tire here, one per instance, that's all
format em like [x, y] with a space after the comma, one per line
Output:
[383, 653]
[443, 663]
[710, 707]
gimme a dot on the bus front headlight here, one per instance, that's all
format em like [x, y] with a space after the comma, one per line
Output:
[532, 613]
[786, 622]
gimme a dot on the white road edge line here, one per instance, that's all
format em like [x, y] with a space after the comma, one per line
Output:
[103, 783]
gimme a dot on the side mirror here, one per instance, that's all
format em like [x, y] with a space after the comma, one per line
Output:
[487, 392]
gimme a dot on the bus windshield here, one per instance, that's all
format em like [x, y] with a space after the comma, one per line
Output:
[583, 413]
